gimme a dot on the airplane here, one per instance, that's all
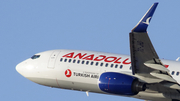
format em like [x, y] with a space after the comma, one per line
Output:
[141, 75]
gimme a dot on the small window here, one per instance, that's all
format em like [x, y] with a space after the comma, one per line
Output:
[106, 64]
[112, 65]
[74, 61]
[69, 60]
[65, 60]
[61, 59]
[35, 56]
[130, 68]
[177, 73]
[92, 63]
[97, 63]
[116, 66]
[101, 64]
[172, 73]
[87, 62]
[78, 61]
[121, 66]
[82, 62]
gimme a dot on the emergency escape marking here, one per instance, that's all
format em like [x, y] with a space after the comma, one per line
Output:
[52, 59]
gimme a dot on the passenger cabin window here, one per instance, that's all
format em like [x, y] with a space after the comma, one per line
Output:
[116, 66]
[97, 63]
[177, 73]
[87, 62]
[74, 61]
[121, 66]
[112, 65]
[78, 61]
[65, 60]
[61, 59]
[69, 60]
[172, 73]
[92, 63]
[35, 56]
[83, 62]
[130, 68]
[106, 64]
[101, 64]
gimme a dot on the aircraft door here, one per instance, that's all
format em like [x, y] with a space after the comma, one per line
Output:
[52, 59]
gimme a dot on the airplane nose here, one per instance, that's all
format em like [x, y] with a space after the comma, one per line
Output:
[19, 68]
[25, 69]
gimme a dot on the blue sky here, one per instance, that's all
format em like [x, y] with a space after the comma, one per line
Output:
[32, 26]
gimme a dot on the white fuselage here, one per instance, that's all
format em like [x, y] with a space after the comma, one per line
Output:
[80, 70]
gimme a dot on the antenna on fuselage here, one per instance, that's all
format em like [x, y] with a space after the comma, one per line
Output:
[87, 93]
[178, 59]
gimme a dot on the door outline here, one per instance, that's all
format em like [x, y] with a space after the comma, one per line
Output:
[52, 59]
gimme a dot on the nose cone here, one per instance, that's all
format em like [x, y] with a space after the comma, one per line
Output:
[19, 68]
[25, 69]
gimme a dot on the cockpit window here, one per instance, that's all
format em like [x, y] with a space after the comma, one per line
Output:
[35, 56]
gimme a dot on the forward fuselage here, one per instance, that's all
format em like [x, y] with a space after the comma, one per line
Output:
[81, 70]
